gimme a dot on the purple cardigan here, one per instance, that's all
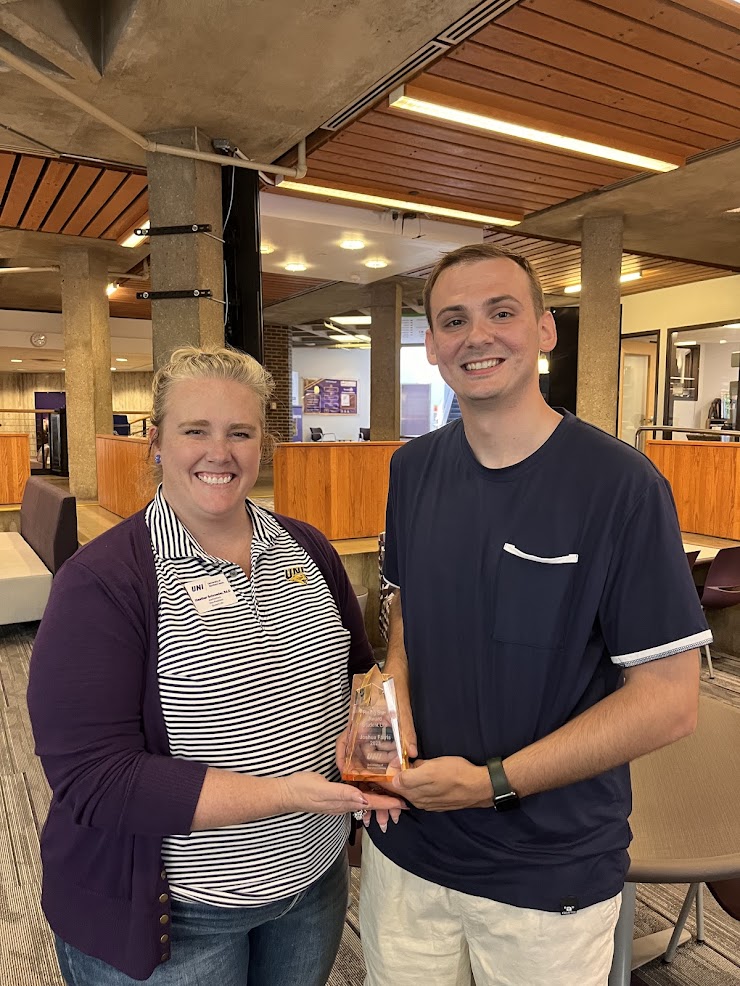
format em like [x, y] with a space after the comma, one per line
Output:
[97, 720]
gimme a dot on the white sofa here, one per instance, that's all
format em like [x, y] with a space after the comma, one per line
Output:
[29, 560]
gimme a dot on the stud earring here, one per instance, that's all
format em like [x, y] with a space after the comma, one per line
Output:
[157, 459]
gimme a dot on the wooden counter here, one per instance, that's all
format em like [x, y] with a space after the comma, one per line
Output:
[339, 487]
[15, 466]
[705, 479]
[126, 480]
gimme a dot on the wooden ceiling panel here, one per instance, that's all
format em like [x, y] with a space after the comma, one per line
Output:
[6, 169]
[630, 26]
[108, 182]
[136, 213]
[587, 61]
[74, 193]
[21, 188]
[280, 287]
[56, 174]
[545, 21]
[130, 189]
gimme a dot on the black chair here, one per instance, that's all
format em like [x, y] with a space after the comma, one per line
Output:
[317, 435]
[364, 434]
[722, 587]
[691, 557]
[121, 425]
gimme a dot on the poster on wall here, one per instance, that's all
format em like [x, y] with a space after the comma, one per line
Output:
[327, 396]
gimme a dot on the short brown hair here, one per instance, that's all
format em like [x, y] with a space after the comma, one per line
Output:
[483, 251]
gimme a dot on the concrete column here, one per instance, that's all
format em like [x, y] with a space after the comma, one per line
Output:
[86, 328]
[182, 192]
[385, 361]
[599, 321]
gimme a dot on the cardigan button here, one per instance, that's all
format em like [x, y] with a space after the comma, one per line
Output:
[163, 898]
[163, 875]
[164, 939]
[164, 957]
[164, 919]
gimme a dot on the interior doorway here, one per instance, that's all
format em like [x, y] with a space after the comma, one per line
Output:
[638, 383]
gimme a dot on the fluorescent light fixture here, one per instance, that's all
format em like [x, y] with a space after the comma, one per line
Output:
[16, 361]
[624, 279]
[114, 368]
[733, 325]
[386, 203]
[352, 244]
[362, 338]
[376, 264]
[338, 338]
[121, 359]
[400, 101]
[266, 248]
[111, 288]
[295, 268]
[722, 342]
[687, 342]
[543, 364]
[351, 319]
[132, 240]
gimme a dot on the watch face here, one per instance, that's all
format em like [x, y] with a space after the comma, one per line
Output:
[38, 339]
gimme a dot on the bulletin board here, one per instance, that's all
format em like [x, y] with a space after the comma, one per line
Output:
[327, 396]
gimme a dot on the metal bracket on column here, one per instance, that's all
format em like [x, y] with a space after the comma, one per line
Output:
[174, 230]
[166, 295]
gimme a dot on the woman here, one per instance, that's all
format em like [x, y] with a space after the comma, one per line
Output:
[187, 684]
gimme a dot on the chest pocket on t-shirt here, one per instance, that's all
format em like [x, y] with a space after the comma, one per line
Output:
[533, 597]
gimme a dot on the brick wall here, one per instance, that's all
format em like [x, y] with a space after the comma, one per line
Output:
[279, 361]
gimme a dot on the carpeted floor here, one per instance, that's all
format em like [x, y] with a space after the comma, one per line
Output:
[26, 953]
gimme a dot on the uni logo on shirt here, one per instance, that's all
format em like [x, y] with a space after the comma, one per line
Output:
[296, 574]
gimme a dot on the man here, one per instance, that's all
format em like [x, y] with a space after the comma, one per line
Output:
[545, 633]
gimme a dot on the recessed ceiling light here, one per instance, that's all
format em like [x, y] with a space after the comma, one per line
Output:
[110, 288]
[121, 359]
[16, 361]
[722, 342]
[296, 268]
[352, 319]
[114, 368]
[352, 244]
[376, 264]
[133, 240]
[382, 200]
[624, 279]
[266, 248]
[398, 100]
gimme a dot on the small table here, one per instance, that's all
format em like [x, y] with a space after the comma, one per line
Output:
[685, 821]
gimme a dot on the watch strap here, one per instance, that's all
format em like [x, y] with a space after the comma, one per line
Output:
[504, 797]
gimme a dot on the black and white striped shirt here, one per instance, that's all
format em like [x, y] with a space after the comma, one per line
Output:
[259, 687]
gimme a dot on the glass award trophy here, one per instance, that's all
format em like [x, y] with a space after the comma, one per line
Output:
[376, 750]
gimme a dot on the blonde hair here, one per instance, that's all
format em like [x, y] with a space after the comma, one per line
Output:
[483, 251]
[211, 363]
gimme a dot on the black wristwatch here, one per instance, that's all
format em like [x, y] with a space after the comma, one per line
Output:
[504, 798]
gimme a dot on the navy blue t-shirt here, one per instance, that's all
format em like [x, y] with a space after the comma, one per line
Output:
[526, 591]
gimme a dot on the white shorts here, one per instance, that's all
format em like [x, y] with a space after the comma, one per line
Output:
[415, 932]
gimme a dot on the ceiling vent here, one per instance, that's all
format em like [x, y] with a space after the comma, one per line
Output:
[410, 67]
[474, 20]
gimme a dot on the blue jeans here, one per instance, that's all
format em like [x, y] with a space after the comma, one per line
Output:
[292, 941]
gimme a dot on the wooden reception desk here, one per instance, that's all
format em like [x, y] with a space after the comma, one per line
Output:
[339, 487]
[15, 466]
[705, 478]
[125, 477]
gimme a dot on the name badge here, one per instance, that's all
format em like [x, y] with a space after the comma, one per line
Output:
[210, 593]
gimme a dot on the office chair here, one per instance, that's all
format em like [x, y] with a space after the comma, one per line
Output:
[691, 557]
[722, 587]
[317, 435]
[364, 434]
